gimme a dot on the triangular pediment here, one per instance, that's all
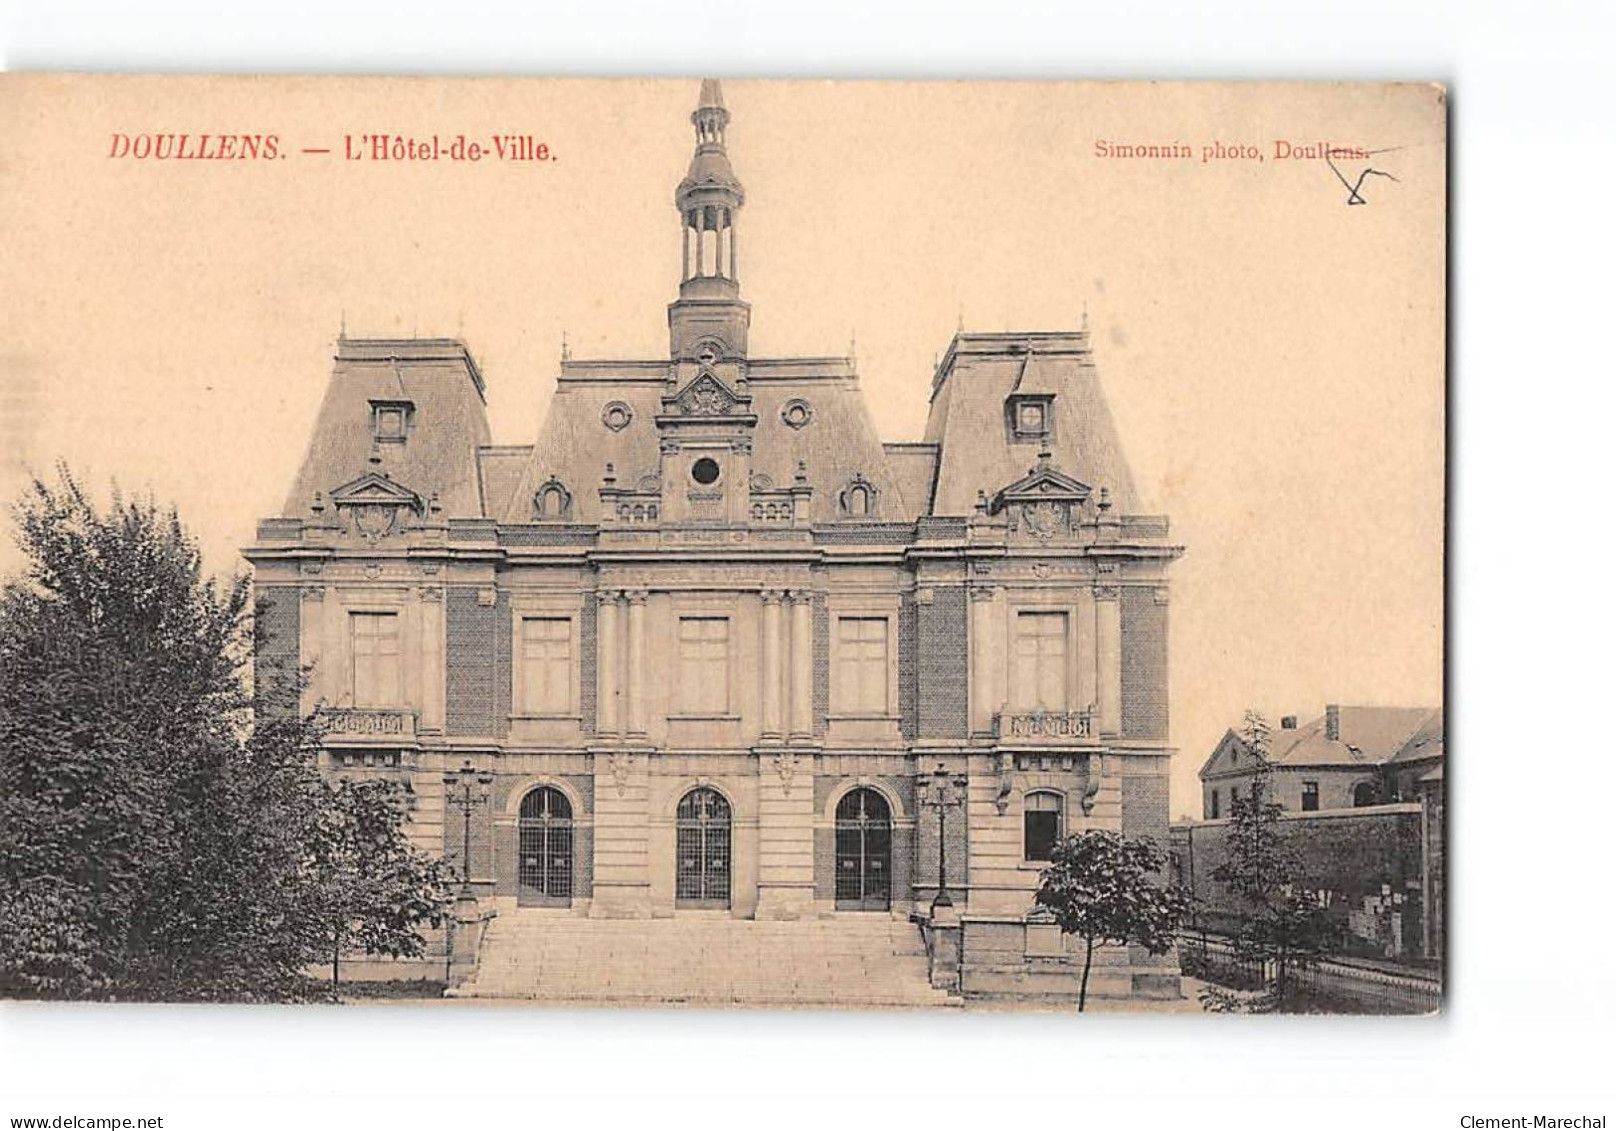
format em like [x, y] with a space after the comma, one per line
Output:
[373, 488]
[1043, 483]
[707, 395]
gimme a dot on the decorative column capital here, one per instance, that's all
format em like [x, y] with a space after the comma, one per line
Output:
[608, 597]
[1107, 592]
[799, 596]
[773, 596]
[636, 596]
[983, 593]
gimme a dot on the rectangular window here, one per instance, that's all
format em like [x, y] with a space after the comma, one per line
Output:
[390, 420]
[861, 666]
[1040, 825]
[703, 665]
[376, 676]
[547, 665]
[1310, 796]
[1212, 810]
[1041, 662]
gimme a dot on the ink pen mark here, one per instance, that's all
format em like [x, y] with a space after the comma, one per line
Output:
[1354, 196]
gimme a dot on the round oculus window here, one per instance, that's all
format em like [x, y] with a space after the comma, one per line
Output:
[705, 471]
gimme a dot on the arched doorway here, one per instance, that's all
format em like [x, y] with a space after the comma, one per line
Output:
[544, 849]
[703, 821]
[863, 852]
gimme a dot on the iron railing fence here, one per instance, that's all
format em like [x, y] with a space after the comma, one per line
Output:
[1328, 986]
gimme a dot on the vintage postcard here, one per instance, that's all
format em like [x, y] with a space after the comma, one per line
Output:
[762, 544]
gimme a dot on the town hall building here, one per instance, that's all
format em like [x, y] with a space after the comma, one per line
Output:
[720, 650]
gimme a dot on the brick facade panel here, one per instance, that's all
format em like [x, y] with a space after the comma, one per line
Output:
[942, 659]
[909, 669]
[1144, 664]
[478, 688]
[277, 642]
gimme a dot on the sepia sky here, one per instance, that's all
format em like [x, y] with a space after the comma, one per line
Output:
[1273, 356]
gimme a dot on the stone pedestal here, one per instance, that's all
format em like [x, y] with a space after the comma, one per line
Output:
[943, 947]
[622, 836]
[785, 835]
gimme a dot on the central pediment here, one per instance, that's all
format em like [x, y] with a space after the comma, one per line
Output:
[707, 397]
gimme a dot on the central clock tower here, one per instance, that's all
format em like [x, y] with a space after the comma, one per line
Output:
[709, 318]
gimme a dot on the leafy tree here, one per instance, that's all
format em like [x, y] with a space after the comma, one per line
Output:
[159, 837]
[1099, 887]
[1281, 922]
[379, 889]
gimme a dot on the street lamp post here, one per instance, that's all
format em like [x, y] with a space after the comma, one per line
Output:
[472, 785]
[944, 796]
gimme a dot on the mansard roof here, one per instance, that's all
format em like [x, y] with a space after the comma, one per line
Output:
[967, 418]
[836, 438]
[440, 384]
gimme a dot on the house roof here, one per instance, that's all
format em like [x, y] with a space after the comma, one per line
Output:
[1367, 737]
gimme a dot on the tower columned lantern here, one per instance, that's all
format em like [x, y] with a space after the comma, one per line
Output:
[709, 310]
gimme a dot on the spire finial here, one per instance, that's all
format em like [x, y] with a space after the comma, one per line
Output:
[566, 350]
[710, 116]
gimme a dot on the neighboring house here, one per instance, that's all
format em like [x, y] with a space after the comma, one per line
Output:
[1347, 758]
[716, 642]
[1362, 789]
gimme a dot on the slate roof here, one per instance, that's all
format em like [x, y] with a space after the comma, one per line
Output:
[449, 422]
[968, 417]
[1368, 737]
[839, 441]
[966, 452]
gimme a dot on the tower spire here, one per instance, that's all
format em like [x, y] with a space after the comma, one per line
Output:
[708, 200]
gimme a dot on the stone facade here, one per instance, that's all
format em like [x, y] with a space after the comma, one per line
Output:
[721, 648]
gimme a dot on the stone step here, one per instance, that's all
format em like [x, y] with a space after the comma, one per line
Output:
[852, 961]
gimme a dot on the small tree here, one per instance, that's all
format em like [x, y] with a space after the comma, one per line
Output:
[1099, 887]
[1281, 922]
[378, 889]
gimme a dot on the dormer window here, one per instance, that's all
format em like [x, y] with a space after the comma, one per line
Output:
[390, 420]
[1029, 417]
[857, 499]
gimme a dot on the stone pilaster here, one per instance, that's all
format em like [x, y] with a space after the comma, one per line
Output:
[773, 654]
[607, 700]
[430, 611]
[802, 664]
[987, 664]
[1108, 656]
[636, 663]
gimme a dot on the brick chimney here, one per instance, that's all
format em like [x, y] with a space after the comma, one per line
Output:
[1332, 722]
[1287, 722]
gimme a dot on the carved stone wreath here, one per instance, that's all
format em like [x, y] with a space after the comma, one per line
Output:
[796, 413]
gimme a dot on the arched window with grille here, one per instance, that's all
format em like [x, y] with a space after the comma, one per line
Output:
[1042, 824]
[702, 875]
[544, 849]
[863, 852]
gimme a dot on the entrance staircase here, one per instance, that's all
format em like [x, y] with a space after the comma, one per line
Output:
[849, 961]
